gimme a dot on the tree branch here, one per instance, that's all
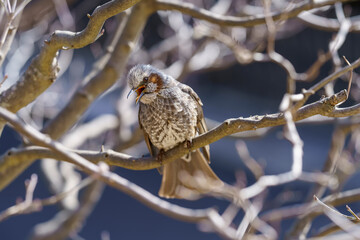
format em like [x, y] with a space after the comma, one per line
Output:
[110, 178]
[99, 81]
[15, 157]
[250, 21]
[42, 71]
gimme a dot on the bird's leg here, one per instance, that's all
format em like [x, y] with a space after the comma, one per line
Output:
[160, 156]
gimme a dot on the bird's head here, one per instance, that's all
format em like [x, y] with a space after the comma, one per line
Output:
[146, 81]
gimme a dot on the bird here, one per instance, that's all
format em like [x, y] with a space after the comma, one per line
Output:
[170, 113]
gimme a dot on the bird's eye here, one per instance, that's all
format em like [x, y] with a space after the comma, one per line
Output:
[145, 79]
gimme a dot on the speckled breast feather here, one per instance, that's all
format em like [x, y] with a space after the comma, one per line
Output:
[170, 119]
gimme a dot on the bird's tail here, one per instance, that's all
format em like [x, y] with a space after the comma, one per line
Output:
[188, 179]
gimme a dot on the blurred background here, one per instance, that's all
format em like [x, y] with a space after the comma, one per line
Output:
[230, 86]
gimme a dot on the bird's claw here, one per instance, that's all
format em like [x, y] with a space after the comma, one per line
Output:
[188, 144]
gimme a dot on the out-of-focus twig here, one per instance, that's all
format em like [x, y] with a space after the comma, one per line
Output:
[327, 24]
[192, 10]
[310, 209]
[31, 205]
[13, 12]
[251, 163]
[70, 222]
[42, 71]
[341, 220]
[328, 208]
[245, 56]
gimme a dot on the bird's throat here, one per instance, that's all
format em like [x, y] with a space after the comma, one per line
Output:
[139, 92]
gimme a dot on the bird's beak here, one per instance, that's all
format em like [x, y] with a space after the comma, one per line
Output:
[130, 93]
[139, 96]
[139, 91]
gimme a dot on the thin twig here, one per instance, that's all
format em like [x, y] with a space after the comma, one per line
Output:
[351, 76]
[352, 212]
[30, 205]
[328, 208]
[251, 163]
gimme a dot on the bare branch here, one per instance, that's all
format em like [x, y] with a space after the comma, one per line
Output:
[229, 127]
[30, 205]
[71, 221]
[251, 163]
[108, 177]
[328, 208]
[99, 81]
[341, 220]
[326, 24]
[322, 83]
[352, 213]
[203, 14]
[310, 210]
[42, 71]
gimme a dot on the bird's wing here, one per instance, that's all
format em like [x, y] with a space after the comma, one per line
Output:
[152, 149]
[201, 124]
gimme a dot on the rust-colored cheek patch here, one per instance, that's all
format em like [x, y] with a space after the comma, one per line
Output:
[154, 78]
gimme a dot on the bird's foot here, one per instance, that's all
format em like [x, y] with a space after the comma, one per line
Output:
[188, 144]
[160, 156]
